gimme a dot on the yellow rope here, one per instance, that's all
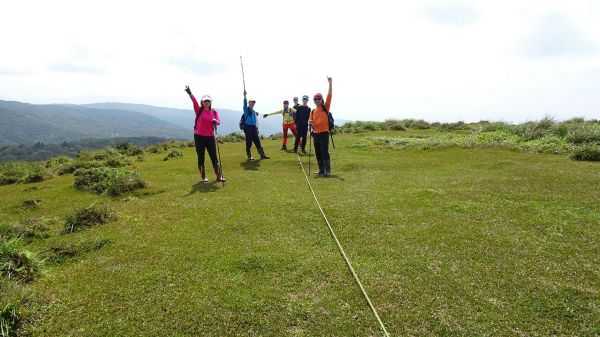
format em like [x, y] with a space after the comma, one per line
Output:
[362, 289]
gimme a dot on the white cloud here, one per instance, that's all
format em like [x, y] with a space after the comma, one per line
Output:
[457, 14]
[438, 60]
[557, 35]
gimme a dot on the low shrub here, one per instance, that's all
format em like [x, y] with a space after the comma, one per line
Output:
[583, 133]
[17, 263]
[416, 124]
[232, 138]
[460, 125]
[87, 217]
[535, 129]
[590, 152]
[157, 148]
[128, 149]
[111, 181]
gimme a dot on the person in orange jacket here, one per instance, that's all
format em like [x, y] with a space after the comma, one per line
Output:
[319, 125]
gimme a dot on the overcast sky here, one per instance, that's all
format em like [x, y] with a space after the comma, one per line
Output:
[437, 60]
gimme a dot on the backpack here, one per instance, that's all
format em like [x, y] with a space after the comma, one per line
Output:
[242, 122]
[331, 121]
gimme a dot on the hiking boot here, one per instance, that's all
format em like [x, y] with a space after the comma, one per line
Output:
[283, 147]
[327, 165]
[321, 169]
[249, 155]
[304, 151]
[295, 150]
[261, 151]
[219, 174]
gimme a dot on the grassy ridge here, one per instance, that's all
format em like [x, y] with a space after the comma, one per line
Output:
[479, 241]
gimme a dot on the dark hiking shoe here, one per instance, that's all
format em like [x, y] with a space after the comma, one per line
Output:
[261, 151]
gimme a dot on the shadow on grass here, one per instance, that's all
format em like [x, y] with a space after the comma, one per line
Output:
[251, 165]
[204, 187]
[332, 176]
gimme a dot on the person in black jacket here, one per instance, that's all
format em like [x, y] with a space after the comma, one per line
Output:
[301, 121]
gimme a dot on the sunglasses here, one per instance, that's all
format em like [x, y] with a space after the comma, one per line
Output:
[206, 101]
[317, 99]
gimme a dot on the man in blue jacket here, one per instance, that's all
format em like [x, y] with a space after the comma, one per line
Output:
[251, 129]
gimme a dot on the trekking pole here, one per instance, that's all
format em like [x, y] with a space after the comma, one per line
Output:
[309, 147]
[243, 77]
[219, 157]
[331, 135]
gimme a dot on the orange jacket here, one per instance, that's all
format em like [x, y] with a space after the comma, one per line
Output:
[320, 118]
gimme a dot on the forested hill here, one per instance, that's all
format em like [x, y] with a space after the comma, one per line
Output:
[24, 123]
[185, 117]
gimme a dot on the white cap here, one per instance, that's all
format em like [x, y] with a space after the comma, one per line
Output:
[206, 98]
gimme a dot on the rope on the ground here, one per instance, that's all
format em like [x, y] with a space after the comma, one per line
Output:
[339, 245]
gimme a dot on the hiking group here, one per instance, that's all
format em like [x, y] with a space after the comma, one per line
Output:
[299, 119]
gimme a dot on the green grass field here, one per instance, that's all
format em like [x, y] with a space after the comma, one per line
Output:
[479, 241]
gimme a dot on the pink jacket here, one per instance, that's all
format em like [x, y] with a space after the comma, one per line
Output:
[204, 125]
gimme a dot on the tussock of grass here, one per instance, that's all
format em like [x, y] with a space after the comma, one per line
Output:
[31, 204]
[88, 217]
[107, 180]
[9, 320]
[28, 230]
[17, 263]
[60, 254]
[173, 154]
[23, 172]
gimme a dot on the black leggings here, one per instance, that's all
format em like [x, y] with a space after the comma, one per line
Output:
[322, 146]
[251, 133]
[208, 143]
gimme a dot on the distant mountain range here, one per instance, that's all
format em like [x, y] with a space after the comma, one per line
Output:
[24, 123]
[185, 117]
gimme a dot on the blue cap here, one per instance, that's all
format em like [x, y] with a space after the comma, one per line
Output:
[304, 97]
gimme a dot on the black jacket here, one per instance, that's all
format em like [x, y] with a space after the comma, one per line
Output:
[302, 115]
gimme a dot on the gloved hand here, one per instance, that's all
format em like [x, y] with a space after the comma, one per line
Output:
[214, 122]
[264, 116]
[188, 90]
[244, 93]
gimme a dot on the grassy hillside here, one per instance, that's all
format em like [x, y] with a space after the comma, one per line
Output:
[29, 123]
[450, 241]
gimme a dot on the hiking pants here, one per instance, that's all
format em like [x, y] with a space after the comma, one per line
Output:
[322, 147]
[208, 143]
[251, 133]
[290, 126]
[301, 132]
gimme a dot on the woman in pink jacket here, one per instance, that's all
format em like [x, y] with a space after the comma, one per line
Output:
[204, 134]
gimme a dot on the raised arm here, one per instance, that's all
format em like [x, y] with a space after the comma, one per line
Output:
[245, 103]
[328, 101]
[196, 105]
